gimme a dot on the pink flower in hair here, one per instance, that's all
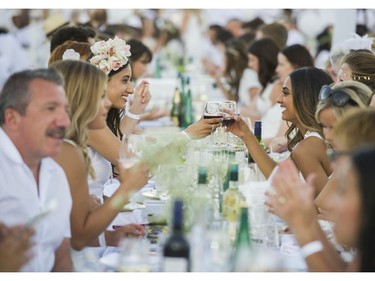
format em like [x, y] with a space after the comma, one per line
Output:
[110, 55]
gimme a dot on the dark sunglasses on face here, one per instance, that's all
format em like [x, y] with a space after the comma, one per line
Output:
[339, 98]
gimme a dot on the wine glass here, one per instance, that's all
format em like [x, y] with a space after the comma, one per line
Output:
[130, 151]
[134, 253]
[212, 109]
[228, 120]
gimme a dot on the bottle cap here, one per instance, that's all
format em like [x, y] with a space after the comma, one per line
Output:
[178, 213]
[202, 175]
[258, 124]
[234, 172]
[258, 129]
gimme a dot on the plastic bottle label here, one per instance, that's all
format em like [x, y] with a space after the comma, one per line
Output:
[175, 264]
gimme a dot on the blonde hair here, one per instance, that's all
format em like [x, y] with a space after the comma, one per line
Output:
[358, 92]
[84, 86]
[82, 48]
[362, 65]
[356, 129]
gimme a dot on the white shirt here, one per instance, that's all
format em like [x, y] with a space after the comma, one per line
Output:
[20, 201]
[271, 122]
[13, 57]
[249, 80]
[264, 102]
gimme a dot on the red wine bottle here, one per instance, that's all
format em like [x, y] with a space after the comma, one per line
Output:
[177, 249]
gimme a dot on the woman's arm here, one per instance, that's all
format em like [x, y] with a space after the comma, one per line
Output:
[87, 225]
[240, 129]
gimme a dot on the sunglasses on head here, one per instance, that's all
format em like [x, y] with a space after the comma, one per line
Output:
[339, 98]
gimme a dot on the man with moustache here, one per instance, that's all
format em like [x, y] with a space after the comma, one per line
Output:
[33, 120]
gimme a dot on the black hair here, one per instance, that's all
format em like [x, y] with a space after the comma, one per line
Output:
[138, 49]
[266, 51]
[114, 114]
[71, 33]
[306, 83]
[298, 56]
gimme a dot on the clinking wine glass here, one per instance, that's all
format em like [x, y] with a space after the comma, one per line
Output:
[130, 150]
[212, 109]
[228, 120]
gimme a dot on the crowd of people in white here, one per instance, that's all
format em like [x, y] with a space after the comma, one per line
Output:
[74, 82]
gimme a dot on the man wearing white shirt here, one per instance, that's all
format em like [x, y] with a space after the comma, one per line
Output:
[33, 120]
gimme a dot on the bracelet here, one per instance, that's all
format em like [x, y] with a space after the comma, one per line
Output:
[311, 248]
[132, 116]
[102, 241]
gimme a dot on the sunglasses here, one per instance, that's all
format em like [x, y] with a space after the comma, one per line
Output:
[339, 98]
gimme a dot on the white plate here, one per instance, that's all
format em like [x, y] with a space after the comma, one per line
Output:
[151, 194]
[133, 206]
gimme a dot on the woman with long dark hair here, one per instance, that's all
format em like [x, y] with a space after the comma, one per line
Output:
[262, 55]
[298, 100]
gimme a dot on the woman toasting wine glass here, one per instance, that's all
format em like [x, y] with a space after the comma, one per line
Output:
[212, 109]
[228, 120]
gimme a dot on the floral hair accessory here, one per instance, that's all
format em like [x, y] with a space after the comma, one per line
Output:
[110, 55]
[71, 54]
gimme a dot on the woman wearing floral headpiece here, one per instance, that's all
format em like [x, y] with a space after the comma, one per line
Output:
[86, 87]
[112, 57]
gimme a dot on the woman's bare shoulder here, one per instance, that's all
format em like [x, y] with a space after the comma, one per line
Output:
[311, 149]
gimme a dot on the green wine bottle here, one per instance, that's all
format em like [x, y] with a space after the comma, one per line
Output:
[258, 135]
[242, 256]
[176, 107]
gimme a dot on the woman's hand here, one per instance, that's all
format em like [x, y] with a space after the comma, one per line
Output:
[239, 127]
[293, 199]
[129, 230]
[203, 127]
[134, 178]
[141, 99]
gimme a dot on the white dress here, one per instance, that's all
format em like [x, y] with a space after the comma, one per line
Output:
[103, 170]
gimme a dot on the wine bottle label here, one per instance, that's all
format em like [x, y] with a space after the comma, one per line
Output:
[172, 264]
